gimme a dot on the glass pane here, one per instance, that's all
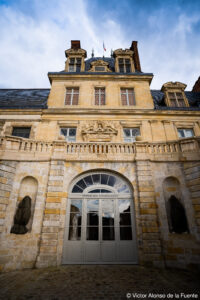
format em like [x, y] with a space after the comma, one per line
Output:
[111, 180]
[173, 102]
[108, 233]
[189, 133]
[181, 103]
[92, 219]
[75, 219]
[71, 68]
[105, 191]
[72, 131]
[108, 205]
[95, 191]
[88, 180]
[76, 206]
[104, 178]
[21, 131]
[124, 206]
[92, 205]
[121, 187]
[63, 131]
[74, 233]
[127, 132]
[77, 189]
[108, 219]
[125, 233]
[181, 133]
[92, 233]
[81, 184]
[135, 131]
[125, 219]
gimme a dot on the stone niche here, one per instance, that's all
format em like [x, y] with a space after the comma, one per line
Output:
[98, 131]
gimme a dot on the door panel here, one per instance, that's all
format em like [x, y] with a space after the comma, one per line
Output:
[100, 230]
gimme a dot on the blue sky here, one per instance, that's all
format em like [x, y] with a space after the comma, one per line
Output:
[35, 33]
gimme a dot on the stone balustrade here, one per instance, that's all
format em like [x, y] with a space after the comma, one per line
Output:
[27, 149]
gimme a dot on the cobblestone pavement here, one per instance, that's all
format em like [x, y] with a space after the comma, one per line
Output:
[99, 282]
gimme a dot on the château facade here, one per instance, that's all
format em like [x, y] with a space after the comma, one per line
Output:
[100, 169]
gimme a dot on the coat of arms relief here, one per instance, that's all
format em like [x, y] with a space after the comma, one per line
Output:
[98, 131]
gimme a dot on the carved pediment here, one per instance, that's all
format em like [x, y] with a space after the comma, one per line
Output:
[121, 52]
[98, 131]
[76, 52]
[173, 85]
[100, 66]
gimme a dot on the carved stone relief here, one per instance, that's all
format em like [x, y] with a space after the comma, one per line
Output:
[98, 131]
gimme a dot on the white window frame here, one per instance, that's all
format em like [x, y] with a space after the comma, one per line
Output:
[99, 95]
[68, 138]
[72, 93]
[132, 137]
[127, 96]
[185, 132]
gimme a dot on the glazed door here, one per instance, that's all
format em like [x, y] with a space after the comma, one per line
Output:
[100, 229]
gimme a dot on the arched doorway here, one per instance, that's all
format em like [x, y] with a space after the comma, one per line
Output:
[100, 223]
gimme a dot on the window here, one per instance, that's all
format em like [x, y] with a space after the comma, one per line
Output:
[176, 99]
[124, 65]
[185, 133]
[72, 95]
[21, 131]
[99, 96]
[69, 133]
[130, 134]
[74, 64]
[127, 96]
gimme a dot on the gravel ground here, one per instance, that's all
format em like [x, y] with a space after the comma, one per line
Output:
[100, 282]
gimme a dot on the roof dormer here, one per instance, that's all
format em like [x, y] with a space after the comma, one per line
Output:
[174, 94]
[124, 61]
[75, 58]
[100, 66]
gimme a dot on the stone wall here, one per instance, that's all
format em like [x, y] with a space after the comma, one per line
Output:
[19, 251]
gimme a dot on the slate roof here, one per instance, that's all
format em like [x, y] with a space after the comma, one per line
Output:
[37, 99]
[24, 98]
[159, 103]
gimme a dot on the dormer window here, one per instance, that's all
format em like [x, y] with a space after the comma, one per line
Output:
[176, 99]
[124, 65]
[74, 64]
[174, 94]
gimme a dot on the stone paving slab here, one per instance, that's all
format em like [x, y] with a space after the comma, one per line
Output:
[87, 282]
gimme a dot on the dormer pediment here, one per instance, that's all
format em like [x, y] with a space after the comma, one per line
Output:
[121, 52]
[76, 52]
[173, 85]
[99, 66]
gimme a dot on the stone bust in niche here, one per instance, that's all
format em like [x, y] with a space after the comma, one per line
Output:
[22, 216]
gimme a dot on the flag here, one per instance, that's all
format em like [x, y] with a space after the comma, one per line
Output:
[104, 48]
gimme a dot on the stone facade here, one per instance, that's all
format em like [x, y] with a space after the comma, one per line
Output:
[157, 165]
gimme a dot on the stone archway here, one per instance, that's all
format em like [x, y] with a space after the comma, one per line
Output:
[100, 222]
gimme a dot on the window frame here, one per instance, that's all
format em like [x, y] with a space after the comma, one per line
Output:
[75, 65]
[21, 127]
[127, 96]
[185, 129]
[99, 96]
[122, 64]
[72, 95]
[132, 137]
[67, 136]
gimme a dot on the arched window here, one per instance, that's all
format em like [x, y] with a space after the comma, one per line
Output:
[101, 183]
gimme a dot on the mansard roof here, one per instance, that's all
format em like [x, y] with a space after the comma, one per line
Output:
[159, 103]
[23, 98]
[37, 99]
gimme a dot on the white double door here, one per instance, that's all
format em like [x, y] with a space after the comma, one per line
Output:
[100, 229]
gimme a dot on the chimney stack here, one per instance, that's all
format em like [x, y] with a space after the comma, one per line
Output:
[136, 58]
[75, 45]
